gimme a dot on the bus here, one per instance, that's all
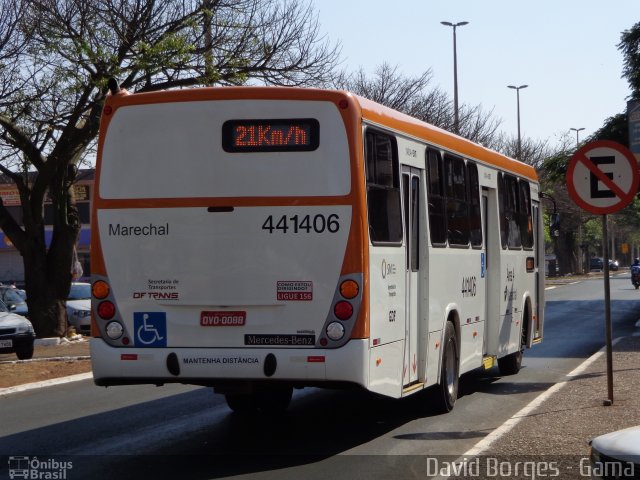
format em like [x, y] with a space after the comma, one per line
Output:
[261, 239]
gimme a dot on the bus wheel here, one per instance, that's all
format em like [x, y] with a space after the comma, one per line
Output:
[241, 402]
[447, 392]
[274, 399]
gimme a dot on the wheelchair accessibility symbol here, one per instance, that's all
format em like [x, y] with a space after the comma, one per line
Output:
[150, 328]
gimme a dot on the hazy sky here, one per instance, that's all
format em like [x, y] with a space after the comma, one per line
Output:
[564, 50]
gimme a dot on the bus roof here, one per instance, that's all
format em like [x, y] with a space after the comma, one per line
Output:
[436, 136]
[369, 110]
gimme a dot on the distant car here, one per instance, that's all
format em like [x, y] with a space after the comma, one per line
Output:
[596, 264]
[16, 334]
[616, 454]
[79, 307]
[15, 300]
[613, 265]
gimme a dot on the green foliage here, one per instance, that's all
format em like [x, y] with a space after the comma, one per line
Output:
[615, 129]
[554, 167]
[630, 47]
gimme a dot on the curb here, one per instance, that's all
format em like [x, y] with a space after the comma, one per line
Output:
[45, 383]
[46, 359]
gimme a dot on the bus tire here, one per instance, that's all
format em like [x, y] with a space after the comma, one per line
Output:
[446, 392]
[241, 402]
[274, 400]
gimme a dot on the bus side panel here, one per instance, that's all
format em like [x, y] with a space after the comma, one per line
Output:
[385, 365]
[387, 313]
[457, 278]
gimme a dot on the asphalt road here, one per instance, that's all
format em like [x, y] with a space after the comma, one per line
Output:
[187, 432]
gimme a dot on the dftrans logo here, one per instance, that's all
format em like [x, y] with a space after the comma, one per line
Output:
[26, 467]
[150, 329]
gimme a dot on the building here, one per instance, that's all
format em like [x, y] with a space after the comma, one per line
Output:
[11, 265]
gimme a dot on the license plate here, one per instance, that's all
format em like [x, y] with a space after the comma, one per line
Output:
[223, 319]
[6, 343]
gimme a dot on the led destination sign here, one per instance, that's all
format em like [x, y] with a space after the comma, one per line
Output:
[271, 135]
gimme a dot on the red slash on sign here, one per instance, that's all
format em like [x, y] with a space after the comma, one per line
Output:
[602, 177]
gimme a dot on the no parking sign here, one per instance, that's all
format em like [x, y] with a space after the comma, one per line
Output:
[602, 177]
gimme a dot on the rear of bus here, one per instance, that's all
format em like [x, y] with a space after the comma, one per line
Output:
[227, 244]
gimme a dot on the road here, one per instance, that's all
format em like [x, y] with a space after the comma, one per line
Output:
[186, 432]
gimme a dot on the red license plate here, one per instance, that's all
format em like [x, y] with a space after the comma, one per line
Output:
[223, 319]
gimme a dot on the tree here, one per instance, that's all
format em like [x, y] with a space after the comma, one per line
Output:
[57, 58]
[415, 97]
[630, 47]
[615, 129]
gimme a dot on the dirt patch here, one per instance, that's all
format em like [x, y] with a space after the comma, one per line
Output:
[12, 374]
[68, 361]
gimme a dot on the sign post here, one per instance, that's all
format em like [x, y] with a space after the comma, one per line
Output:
[602, 178]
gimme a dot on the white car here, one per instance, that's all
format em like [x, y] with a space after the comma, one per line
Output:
[79, 307]
[616, 454]
[16, 334]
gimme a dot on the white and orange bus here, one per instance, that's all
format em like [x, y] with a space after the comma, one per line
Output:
[257, 240]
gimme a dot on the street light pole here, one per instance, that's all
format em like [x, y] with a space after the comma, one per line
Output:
[582, 263]
[517, 89]
[456, 126]
[577, 130]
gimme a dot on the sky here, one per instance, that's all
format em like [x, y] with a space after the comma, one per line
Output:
[564, 50]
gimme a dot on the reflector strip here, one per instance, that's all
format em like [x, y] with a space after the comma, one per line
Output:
[129, 356]
[316, 359]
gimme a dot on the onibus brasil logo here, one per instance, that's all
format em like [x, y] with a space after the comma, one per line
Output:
[34, 468]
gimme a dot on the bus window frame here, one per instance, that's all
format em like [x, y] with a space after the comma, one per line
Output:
[453, 165]
[393, 191]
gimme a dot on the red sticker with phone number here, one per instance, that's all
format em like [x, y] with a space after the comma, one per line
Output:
[295, 291]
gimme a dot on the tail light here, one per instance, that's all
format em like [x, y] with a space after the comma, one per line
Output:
[344, 310]
[106, 318]
[106, 310]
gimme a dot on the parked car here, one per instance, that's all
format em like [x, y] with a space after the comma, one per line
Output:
[16, 334]
[616, 454]
[79, 307]
[551, 265]
[15, 299]
[596, 264]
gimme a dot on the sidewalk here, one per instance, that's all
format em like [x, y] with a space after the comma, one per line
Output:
[556, 427]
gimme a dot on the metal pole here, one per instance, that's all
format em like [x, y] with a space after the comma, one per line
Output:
[519, 146]
[519, 140]
[607, 314]
[456, 125]
[456, 120]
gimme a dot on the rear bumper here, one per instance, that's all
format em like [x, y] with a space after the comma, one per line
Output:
[212, 366]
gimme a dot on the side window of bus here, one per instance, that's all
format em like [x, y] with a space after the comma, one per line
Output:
[526, 220]
[510, 223]
[475, 217]
[437, 211]
[383, 189]
[457, 202]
